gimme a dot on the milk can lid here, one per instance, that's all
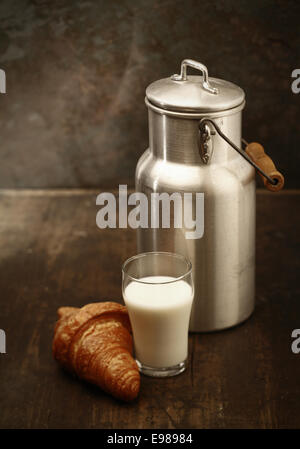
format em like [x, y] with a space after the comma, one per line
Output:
[194, 93]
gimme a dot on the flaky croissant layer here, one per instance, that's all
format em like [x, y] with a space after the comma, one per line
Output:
[95, 343]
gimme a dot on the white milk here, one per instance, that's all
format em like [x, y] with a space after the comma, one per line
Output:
[159, 315]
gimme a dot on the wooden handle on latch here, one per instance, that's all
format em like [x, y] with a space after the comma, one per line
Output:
[257, 153]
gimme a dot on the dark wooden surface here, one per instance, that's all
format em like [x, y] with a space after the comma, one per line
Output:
[52, 254]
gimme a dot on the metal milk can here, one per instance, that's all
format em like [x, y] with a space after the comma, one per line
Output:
[195, 146]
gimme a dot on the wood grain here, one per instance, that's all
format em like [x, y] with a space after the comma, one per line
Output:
[52, 254]
[264, 162]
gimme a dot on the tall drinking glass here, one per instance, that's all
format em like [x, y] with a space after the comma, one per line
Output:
[158, 292]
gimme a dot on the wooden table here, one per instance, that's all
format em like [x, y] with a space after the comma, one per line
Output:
[52, 254]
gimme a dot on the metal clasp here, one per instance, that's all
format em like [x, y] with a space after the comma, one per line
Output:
[205, 143]
[196, 65]
[203, 131]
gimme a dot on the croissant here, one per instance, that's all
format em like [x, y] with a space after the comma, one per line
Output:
[95, 343]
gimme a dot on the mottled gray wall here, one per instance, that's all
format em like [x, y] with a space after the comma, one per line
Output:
[74, 112]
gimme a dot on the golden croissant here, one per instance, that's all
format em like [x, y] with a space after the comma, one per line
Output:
[95, 343]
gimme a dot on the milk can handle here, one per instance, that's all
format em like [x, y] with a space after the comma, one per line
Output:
[255, 155]
[196, 65]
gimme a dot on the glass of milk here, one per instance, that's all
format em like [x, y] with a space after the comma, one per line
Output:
[158, 292]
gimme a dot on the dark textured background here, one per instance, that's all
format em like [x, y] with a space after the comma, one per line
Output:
[74, 112]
